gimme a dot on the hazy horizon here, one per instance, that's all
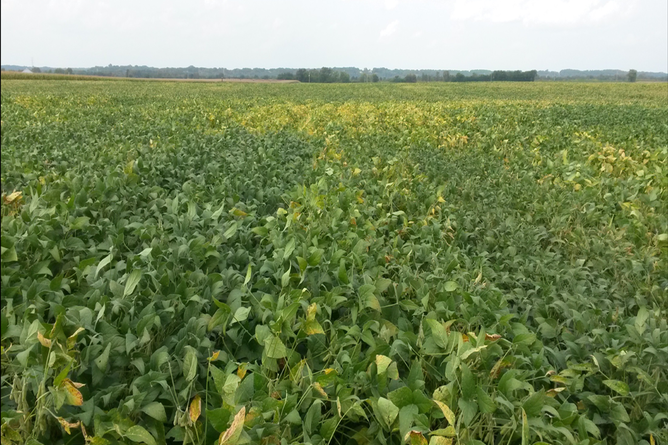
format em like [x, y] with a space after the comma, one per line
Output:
[395, 34]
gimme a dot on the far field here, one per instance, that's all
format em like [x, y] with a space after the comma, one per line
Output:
[334, 264]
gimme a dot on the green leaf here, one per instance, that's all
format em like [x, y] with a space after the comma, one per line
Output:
[293, 417]
[9, 256]
[533, 405]
[312, 418]
[618, 413]
[439, 334]
[156, 410]
[469, 409]
[407, 416]
[274, 347]
[219, 378]
[79, 223]
[138, 434]
[231, 231]
[103, 359]
[485, 402]
[620, 387]
[388, 411]
[285, 278]
[343, 274]
[450, 286]
[468, 383]
[132, 282]
[315, 257]
[190, 363]
[241, 314]
[289, 248]
[106, 260]
[367, 297]
[525, 428]
[401, 397]
[641, 320]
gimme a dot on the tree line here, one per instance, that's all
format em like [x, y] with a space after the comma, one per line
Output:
[347, 74]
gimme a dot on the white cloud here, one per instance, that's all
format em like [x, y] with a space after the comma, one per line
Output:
[390, 29]
[540, 12]
[391, 4]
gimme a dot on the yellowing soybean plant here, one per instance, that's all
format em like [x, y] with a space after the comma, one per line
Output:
[334, 264]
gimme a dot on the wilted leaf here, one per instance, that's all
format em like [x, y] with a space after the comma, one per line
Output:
[195, 408]
[74, 397]
[233, 433]
[447, 412]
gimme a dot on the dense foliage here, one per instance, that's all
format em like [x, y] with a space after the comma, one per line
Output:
[323, 264]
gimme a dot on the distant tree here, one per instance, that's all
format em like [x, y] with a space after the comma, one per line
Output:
[411, 78]
[460, 77]
[446, 76]
[344, 77]
[68, 71]
[286, 76]
[364, 78]
[375, 78]
[59, 71]
[632, 75]
[302, 75]
[327, 75]
[35, 69]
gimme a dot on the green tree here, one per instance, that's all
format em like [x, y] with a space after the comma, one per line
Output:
[302, 75]
[411, 78]
[632, 75]
[375, 78]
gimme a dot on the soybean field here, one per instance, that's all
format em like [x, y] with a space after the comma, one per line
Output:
[219, 263]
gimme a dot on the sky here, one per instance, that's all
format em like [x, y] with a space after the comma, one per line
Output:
[410, 34]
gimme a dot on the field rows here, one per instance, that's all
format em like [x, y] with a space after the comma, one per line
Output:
[353, 264]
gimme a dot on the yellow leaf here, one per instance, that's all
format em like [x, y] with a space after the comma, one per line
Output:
[492, 337]
[72, 339]
[67, 425]
[312, 327]
[43, 340]
[241, 370]
[415, 437]
[554, 391]
[382, 363]
[320, 389]
[195, 408]
[214, 356]
[311, 311]
[239, 213]
[438, 440]
[14, 196]
[74, 397]
[447, 412]
[231, 435]
[440, 199]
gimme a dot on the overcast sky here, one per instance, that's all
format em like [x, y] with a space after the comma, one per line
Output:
[447, 34]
